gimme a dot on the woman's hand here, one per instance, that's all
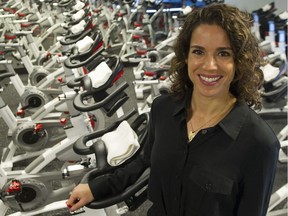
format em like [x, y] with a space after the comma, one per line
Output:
[80, 196]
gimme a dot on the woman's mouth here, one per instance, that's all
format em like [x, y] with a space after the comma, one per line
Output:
[209, 80]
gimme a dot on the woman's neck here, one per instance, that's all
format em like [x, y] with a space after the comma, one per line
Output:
[205, 106]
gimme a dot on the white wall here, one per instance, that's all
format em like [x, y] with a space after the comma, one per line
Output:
[251, 5]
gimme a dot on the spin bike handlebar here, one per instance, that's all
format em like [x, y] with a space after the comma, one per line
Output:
[79, 105]
[129, 194]
[278, 92]
[73, 38]
[64, 3]
[108, 102]
[84, 58]
[81, 148]
[69, 21]
[85, 81]
[113, 62]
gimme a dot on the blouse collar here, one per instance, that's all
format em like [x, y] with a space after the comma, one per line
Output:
[231, 124]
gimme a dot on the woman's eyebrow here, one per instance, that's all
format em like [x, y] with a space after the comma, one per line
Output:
[219, 48]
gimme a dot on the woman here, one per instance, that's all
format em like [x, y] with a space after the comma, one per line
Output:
[210, 154]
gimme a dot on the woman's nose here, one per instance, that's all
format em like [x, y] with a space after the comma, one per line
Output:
[210, 62]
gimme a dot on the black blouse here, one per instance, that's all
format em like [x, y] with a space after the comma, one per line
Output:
[226, 170]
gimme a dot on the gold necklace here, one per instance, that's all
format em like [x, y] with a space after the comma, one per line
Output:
[219, 116]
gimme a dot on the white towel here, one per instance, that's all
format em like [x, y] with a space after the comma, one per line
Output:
[84, 44]
[266, 7]
[121, 144]
[78, 15]
[270, 72]
[78, 6]
[100, 74]
[78, 27]
[284, 15]
[186, 10]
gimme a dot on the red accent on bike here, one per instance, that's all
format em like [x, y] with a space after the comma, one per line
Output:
[91, 26]
[38, 127]
[63, 121]
[48, 56]
[120, 74]
[98, 46]
[85, 71]
[22, 14]
[141, 52]
[25, 25]
[148, 42]
[92, 122]
[121, 14]
[60, 79]
[10, 37]
[105, 25]
[149, 73]
[14, 187]
[14, 10]
[21, 112]
[137, 24]
[137, 37]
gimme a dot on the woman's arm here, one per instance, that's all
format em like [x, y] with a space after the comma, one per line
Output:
[258, 183]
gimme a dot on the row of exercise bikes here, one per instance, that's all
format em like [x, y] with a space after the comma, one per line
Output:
[72, 88]
[75, 53]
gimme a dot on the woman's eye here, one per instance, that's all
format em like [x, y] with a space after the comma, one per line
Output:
[224, 53]
[197, 52]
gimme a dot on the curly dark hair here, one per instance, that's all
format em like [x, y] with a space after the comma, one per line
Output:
[236, 23]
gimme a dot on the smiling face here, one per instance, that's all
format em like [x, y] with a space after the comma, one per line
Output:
[210, 61]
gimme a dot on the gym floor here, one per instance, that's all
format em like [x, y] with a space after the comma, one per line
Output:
[10, 96]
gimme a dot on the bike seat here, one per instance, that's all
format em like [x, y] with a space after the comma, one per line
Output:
[10, 9]
[24, 14]
[156, 73]
[28, 24]
[14, 35]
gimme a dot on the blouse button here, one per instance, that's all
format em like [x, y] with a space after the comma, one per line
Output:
[208, 186]
[204, 132]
